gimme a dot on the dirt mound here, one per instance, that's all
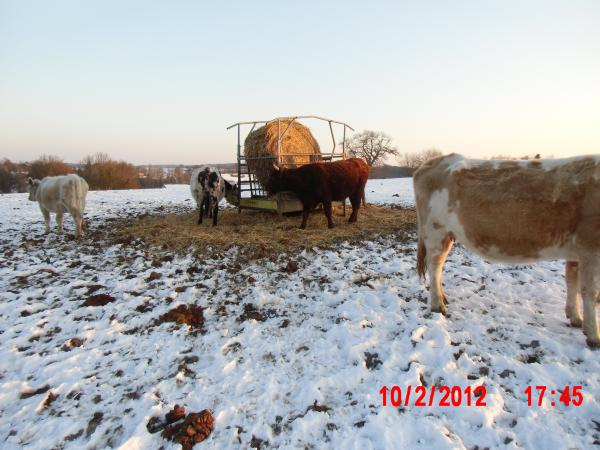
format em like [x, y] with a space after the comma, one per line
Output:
[98, 300]
[252, 313]
[191, 315]
[185, 430]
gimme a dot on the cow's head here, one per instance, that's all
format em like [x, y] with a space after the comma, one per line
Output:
[32, 187]
[231, 193]
[275, 183]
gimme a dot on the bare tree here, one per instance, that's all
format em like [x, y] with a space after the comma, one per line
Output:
[48, 166]
[372, 146]
[514, 158]
[101, 172]
[415, 160]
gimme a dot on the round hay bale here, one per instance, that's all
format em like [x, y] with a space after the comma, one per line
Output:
[263, 142]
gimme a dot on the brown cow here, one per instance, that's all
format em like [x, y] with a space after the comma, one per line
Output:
[323, 182]
[514, 211]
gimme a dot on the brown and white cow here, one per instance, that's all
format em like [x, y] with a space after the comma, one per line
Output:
[60, 194]
[514, 212]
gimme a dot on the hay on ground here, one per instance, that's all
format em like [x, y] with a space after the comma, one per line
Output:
[261, 234]
[298, 147]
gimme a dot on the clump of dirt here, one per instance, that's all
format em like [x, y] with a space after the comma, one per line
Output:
[72, 343]
[158, 262]
[251, 312]
[318, 408]
[191, 315]
[372, 360]
[258, 443]
[50, 397]
[185, 430]
[178, 412]
[93, 288]
[98, 300]
[291, 267]
[93, 423]
[144, 307]
[192, 270]
[125, 239]
[32, 392]
[153, 276]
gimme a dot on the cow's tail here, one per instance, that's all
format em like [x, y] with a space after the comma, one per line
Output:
[421, 249]
[421, 258]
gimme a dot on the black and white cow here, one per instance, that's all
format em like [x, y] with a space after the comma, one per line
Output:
[208, 188]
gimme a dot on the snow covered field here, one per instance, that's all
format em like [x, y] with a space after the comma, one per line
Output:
[287, 358]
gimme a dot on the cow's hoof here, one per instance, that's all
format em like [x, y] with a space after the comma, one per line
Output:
[442, 310]
[594, 345]
[576, 322]
[331, 226]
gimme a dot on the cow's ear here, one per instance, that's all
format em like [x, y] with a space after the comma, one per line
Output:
[275, 167]
[30, 181]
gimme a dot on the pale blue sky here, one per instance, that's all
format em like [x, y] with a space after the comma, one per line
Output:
[158, 82]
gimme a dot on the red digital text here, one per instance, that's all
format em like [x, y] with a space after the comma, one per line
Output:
[442, 396]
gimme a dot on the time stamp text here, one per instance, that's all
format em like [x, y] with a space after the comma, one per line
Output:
[454, 396]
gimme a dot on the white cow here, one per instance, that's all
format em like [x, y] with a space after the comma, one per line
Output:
[65, 193]
[208, 188]
[514, 211]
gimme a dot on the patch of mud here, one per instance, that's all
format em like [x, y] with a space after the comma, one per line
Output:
[98, 300]
[372, 360]
[191, 315]
[252, 313]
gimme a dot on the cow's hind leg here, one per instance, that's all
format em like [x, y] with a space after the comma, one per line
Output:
[355, 200]
[201, 208]
[590, 287]
[436, 256]
[327, 210]
[306, 208]
[215, 204]
[572, 279]
[78, 219]
[46, 215]
[59, 221]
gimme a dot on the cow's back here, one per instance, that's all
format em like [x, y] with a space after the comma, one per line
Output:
[63, 192]
[512, 210]
[339, 178]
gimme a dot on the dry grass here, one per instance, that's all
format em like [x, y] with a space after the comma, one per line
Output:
[263, 142]
[259, 233]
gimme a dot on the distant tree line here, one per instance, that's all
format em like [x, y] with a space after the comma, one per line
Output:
[99, 170]
[102, 172]
[415, 160]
